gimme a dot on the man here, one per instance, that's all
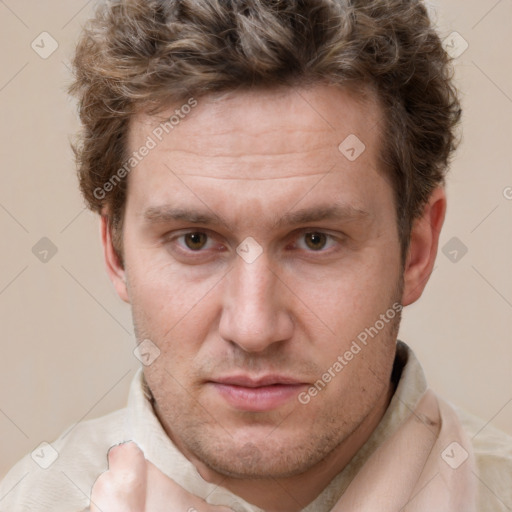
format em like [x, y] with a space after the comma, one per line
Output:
[269, 177]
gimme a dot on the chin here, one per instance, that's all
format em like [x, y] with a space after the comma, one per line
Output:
[264, 457]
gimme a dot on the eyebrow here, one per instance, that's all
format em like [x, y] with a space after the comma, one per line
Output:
[166, 214]
[331, 212]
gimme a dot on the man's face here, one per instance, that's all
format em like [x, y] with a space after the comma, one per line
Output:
[246, 327]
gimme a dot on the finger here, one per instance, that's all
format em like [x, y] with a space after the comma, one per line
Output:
[164, 494]
[123, 487]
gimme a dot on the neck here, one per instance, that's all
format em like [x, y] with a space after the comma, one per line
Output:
[292, 494]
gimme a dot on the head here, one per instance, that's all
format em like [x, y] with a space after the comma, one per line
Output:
[269, 176]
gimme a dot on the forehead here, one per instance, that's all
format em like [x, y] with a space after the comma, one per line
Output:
[278, 125]
[280, 142]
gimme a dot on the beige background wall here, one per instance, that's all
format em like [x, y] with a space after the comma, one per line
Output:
[66, 339]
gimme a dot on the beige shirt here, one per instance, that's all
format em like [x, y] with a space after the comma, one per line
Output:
[79, 456]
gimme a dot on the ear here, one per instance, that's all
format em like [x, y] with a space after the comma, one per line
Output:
[115, 269]
[423, 246]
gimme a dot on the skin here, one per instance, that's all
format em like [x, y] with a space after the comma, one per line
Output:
[251, 159]
[132, 484]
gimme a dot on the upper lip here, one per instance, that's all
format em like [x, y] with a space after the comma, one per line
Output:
[256, 382]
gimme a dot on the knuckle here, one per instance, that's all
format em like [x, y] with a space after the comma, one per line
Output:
[104, 485]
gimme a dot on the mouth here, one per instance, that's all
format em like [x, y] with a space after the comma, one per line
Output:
[257, 394]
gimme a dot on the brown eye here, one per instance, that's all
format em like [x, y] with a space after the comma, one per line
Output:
[196, 241]
[315, 241]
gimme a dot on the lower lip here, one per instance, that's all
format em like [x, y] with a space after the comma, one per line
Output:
[259, 399]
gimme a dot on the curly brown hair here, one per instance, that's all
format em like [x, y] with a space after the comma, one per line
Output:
[145, 55]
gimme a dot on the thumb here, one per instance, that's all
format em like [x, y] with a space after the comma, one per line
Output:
[122, 488]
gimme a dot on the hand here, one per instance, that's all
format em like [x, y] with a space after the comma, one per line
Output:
[133, 484]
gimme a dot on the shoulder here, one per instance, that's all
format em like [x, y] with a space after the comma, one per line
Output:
[492, 450]
[58, 476]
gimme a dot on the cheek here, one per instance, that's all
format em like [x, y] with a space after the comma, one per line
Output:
[160, 283]
[353, 294]
[170, 308]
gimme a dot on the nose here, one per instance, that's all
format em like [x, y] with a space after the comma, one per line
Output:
[255, 312]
